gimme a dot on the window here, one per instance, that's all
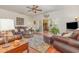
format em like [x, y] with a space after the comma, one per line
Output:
[19, 21]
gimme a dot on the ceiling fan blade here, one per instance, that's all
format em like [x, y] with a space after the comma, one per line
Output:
[29, 7]
[38, 9]
[35, 6]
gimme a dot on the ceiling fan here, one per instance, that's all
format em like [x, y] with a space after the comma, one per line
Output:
[34, 9]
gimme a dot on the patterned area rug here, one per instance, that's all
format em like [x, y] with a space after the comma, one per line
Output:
[38, 43]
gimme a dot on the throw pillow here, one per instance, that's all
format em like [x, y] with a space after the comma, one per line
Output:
[16, 30]
[68, 34]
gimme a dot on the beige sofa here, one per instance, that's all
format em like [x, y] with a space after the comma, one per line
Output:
[10, 38]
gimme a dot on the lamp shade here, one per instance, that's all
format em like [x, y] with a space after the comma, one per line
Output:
[6, 24]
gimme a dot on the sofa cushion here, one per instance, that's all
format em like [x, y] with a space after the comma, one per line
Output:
[75, 34]
[22, 30]
[1, 40]
[16, 30]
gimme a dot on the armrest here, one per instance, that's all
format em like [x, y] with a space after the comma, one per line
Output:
[73, 42]
[69, 41]
[62, 47]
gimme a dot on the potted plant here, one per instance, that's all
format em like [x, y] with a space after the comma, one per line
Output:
[37, 30]
[55, 30]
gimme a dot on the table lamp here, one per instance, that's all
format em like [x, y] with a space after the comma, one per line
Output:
[6, 25]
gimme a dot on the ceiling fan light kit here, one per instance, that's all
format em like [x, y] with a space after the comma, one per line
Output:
[46, 15]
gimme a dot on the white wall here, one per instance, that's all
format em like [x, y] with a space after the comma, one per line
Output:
[62, 16]
[5, 14]
[54, 16]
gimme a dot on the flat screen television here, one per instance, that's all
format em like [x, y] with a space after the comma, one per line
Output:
[72, 25]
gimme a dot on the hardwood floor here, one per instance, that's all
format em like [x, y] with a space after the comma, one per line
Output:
[50, 50]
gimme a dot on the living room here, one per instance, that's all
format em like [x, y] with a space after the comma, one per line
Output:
[38, 26]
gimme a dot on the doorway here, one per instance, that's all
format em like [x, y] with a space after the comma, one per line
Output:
[45, 25]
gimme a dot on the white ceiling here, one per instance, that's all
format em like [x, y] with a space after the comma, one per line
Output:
[23, 10]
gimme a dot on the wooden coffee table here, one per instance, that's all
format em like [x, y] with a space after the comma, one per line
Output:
[15, 49]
